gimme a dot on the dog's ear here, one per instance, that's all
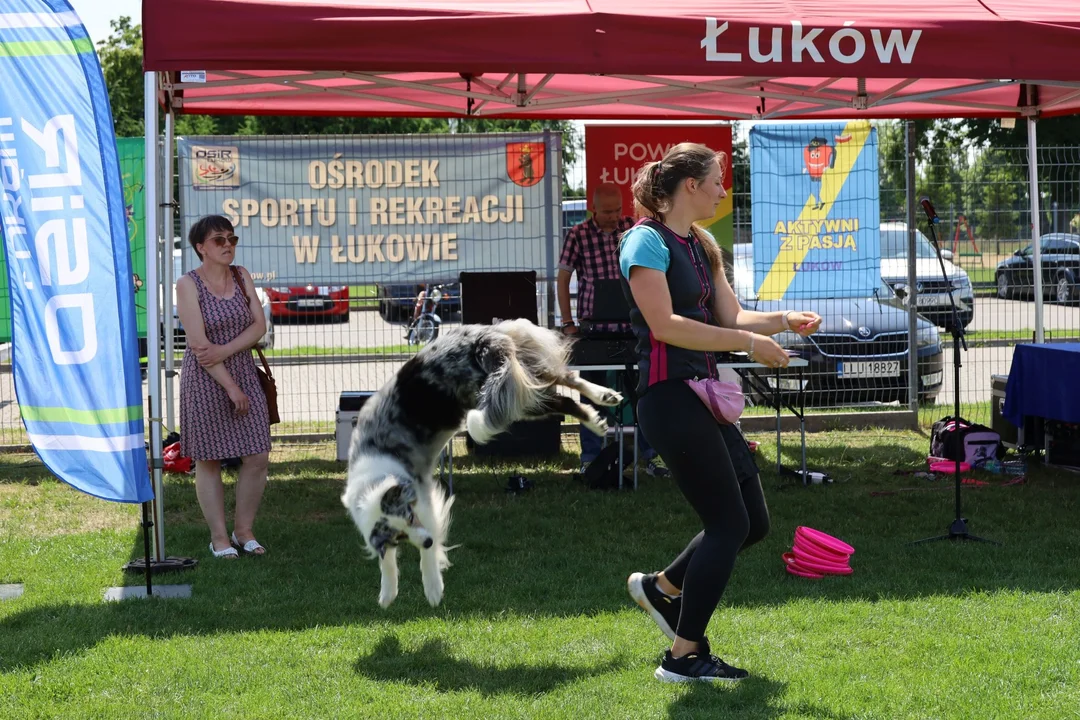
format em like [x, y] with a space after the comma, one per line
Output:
[381, 536]
[397, 497]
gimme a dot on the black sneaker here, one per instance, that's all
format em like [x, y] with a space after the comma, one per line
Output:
[664, 609]
[696, 666]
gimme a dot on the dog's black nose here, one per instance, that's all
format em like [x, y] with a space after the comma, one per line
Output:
[428, 543]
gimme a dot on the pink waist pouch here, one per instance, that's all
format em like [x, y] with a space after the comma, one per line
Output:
[724, 398]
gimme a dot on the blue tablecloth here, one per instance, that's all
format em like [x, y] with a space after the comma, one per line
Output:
[1044, 382]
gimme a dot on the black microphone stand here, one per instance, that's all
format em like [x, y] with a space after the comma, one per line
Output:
[958, 530]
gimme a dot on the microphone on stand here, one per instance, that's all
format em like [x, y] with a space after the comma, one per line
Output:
[931, 214]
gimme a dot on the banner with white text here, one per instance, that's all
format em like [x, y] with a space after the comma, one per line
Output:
[815, 210]
[354, 210]
[74, 347]
[131, 152]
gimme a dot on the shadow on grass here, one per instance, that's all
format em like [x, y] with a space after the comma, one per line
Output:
[755, 698]
[433, 664]
[23, 469]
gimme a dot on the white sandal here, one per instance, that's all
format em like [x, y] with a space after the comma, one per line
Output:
[249, 547]
[227, 552]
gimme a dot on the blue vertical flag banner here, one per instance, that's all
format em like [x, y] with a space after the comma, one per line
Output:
[815, 210]
[65, 237]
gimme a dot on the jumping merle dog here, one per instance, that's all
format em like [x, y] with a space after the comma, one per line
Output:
[481, 377]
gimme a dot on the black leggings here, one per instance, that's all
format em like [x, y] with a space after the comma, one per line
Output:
[730, 503]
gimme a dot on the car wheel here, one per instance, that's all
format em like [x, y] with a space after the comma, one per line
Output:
[390, 312]
[1003, 290]
[1063, 293]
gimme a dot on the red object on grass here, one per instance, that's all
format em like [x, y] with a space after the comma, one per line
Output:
[174, 461]
[948, 467]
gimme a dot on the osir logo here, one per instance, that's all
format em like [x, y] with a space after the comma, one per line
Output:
[215, 166]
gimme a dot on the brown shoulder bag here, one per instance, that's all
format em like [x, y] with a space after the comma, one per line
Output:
[266, 378]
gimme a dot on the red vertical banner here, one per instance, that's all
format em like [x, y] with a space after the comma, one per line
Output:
[615, 153]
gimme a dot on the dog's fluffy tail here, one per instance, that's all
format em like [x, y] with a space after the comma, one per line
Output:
[510, 393]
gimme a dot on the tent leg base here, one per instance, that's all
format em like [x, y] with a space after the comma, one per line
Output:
[169, 564]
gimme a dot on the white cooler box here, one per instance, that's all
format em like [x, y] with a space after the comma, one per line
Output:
[349, 405]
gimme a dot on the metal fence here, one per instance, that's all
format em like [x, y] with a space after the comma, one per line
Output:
[330, 337]
[981, 196]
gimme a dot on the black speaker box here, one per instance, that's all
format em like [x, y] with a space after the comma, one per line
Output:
[1064, 446]
[486, 296]
[1033, 429]
[503, 295]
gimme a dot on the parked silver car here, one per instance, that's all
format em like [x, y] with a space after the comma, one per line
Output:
[860, 355]
[932, 291]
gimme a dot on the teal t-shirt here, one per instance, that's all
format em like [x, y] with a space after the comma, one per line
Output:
[641, 245]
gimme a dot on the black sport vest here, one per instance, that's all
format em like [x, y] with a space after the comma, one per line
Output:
[690, 283]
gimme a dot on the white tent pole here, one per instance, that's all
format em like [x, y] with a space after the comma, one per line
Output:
[153, 290]
[1033, 178]
[168, 280]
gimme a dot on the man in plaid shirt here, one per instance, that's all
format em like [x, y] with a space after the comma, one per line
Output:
[591, 250]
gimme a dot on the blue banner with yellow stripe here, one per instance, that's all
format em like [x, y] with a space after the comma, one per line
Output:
[815, 210]
[62, 219]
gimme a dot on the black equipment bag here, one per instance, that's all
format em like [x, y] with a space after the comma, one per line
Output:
[964, 441]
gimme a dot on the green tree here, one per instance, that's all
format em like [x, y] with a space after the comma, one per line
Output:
[1059, 168]
[997, 193]
[944, 163]
[120, 57]
[740, 184]
[892, 168]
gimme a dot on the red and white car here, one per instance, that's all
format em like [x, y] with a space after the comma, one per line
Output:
[310, 301]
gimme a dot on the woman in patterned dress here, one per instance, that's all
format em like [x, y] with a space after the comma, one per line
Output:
[223, 411]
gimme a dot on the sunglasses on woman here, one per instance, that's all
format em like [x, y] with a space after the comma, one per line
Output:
[220, 241]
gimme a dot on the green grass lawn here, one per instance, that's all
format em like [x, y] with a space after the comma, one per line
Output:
[363, 291]
[303, 351]
[536, 622]
[981, 274]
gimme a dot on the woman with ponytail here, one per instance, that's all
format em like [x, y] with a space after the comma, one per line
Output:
[683, 311]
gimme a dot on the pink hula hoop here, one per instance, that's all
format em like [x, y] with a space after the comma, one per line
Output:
[816, 554]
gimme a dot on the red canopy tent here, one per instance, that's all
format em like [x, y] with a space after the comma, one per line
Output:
[685, 59]
[601, 59]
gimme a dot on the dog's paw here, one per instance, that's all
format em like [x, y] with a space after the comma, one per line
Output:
[596, 424]
[433, 588]
[387, 597]
[609, 398]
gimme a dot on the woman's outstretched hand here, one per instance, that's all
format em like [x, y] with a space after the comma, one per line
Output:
[803, 322]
